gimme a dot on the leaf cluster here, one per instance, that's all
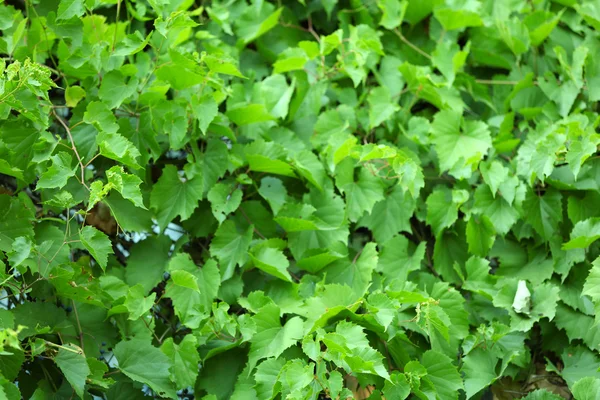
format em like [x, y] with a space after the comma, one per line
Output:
[253, 200]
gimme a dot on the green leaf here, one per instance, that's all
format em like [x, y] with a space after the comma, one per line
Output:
[459, 15]
[443, 374]
[144, 363]
[250, 28]
[126, 184]
[100, 116]
[381, 106]
[192, 289]
[460, 144]
[114, 90]
[356, 273]
[390, 215]
[73, 95]
[97, 243]
[57, 175]
[272, 338]
[137, 303]
[362, 195]
[205, 110]
[230, 247]
[584, 233]
[274, 192]
[68, 9]
[276, 95]
[479, 367]
[586, 388]
[442, 208]
[224, 200]
[272, 261]
[147, 262]
[174, 195]
[249, 114]
[118, 148]
[185, 359]
[397, 387]
[480, 235]
[221, 65]
[543, 212]
[132, 44]
[73, 365]
[393, 12]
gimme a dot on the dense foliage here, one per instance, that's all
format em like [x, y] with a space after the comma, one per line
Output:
[299, 199]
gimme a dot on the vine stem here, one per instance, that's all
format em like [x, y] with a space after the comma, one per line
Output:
[411, 45]
[82, 167]
[78, 326]
[116, 25]
[61, 347]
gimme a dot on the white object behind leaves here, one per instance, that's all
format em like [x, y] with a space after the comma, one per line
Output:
[522, 301]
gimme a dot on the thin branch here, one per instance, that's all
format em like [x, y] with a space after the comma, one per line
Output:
[116, 25]
[412, 46]
[64, 125]
[78, 326]
[151, 330]
[250, 222]
[493, 82]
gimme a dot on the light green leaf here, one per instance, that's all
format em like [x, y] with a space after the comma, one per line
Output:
[97, 243]
[118, 148]
[126, 184]
[57, 175]
[73, 95]
[68, 9]
[584, 233]
[393, 12]
[272, 261]
[221, 65]
[459, 143]
[249, 114]
[586, 388]
[132, 44]
[397, 387]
